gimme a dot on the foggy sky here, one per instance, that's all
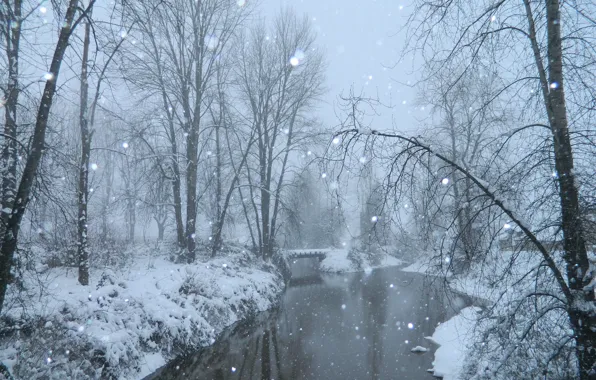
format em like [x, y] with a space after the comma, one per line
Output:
[362, 39]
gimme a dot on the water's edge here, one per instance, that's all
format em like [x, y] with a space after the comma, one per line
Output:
[239, 335]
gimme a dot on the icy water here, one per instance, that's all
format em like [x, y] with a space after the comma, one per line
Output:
[350, 326]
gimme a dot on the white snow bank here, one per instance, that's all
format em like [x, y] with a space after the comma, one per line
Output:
[128, 323]
[338, 261]
[419, 349]
[417, 267]
[454, 338]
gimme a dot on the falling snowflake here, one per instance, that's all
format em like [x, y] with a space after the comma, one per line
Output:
[211, 42]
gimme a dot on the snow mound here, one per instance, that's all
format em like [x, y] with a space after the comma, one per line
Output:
[419, 349]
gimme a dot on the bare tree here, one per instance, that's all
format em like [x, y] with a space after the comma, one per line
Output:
[12, 216]
[230, 138]
[468, 123]
[544, 144]
[280, 77]
[183, 41]
[82, 191]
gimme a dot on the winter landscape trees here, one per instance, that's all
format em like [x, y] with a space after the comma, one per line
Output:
[512, 97]
[190, 130]
[173, 128]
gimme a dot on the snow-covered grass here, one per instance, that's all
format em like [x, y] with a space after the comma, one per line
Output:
[129, 322]
[340, 261]
[454, 337]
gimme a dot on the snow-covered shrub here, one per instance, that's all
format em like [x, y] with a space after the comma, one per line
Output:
[525, 333]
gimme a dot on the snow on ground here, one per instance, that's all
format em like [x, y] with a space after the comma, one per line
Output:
[498, 276]
[130, 322]
[494, 280]
[454, 337]
[417, 267]
[338, 261]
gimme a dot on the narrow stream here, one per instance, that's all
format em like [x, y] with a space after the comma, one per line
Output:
[349, 326]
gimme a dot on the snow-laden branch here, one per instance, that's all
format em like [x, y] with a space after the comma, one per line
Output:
[486, 189]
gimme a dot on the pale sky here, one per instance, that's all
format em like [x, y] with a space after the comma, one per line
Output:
[363, 41]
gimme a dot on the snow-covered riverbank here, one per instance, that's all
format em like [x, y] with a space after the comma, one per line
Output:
[454, 337]
[129, 323]
[495, 283]
[339, 261]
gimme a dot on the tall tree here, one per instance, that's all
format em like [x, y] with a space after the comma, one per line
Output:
[82, 190]
[12, 216]
[182, 41]
[280, 77]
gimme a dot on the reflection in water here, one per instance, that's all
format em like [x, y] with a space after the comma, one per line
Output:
[353, 326]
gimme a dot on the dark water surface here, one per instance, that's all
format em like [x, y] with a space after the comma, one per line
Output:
[350, 326]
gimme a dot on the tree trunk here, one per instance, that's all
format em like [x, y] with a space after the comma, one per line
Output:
[13, 220]
[9, 151]
[191, 193]
[109, 166]
[222, 216]
[219, 222]
[176, 185]
[161, 227]
[177, 199]
[259, 249]
[132, 218]
[281, 180]
[581, 309]
[248, 223]
[581, 303]
[265, 206]
[83, 191]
